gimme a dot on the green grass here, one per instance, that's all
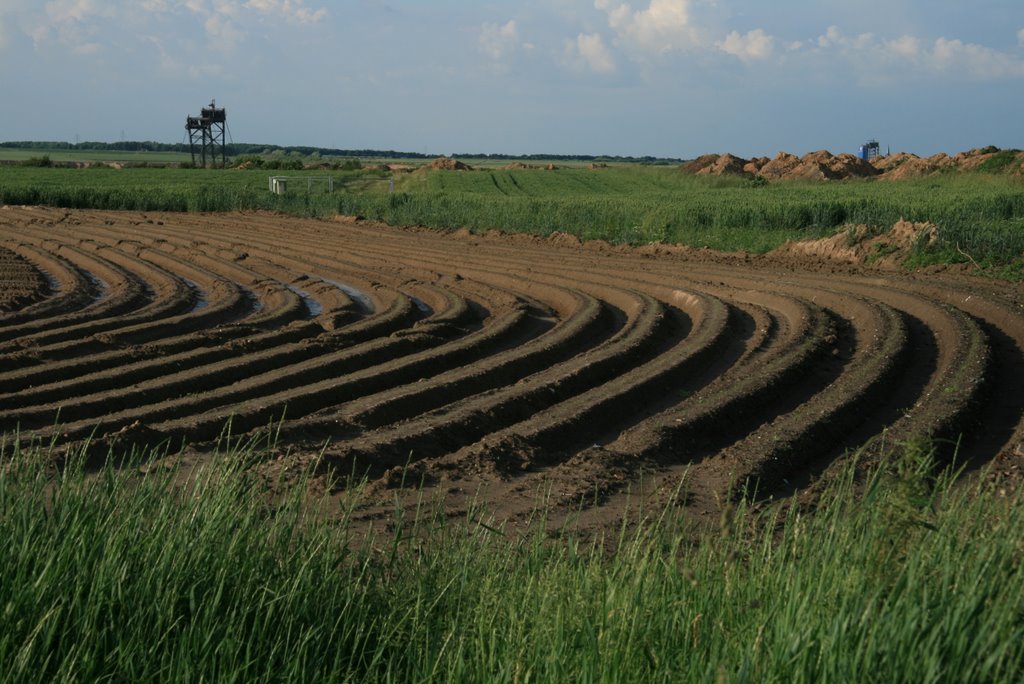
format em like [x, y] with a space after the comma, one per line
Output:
[125, 577]
[977, 214]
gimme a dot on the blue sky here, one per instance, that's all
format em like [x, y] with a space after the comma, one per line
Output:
[629, 77]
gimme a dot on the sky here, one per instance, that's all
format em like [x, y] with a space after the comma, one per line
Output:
[666, 78]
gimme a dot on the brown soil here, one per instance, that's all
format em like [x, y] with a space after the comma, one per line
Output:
[499, 368]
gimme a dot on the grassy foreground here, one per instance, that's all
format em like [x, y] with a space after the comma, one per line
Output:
[124, 577]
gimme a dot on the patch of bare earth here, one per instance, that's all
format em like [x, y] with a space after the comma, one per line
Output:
[500, 369]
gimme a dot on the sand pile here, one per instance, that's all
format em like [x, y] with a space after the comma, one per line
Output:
[726, 164]
[825, 166]
[755, 165]
[861, 245]
[915, 167]
[893, 161]
[851, 166]
[820, 165]
[514, 166]
[779, 167]
[972, 159]
[700, 163]
[447, 164]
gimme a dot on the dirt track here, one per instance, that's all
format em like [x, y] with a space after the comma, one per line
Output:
[496, 366]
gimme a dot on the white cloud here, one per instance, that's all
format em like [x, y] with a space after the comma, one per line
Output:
[498, 41]
[72, 23]
[71, 10]
[223, 32]
[1020, 37]
[292, 10]
[588, 52]
[882, 61]
[905, 46]
[664, 26]
[833, 37]
[980, 62]
[755, 44]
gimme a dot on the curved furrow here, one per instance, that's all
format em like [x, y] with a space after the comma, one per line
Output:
[768, 458]
[418, 356]
[746, 395]
[231, 346]
[996, 430]
[453, 426]
[583, 325]
[589, 416]
[21, 284]
[497, 365]
[224, 381]
[120, 293]
[275, 304]
[225, 301]
[329, 306]
[739, 412]
[285, 375]
[70, 289]
[750, 381]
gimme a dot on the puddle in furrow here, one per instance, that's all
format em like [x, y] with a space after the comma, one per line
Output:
[51, 282]
[255, 305]
[355, 295]
[421, 305]
[312, 306]
[200, 297]
[102, 289]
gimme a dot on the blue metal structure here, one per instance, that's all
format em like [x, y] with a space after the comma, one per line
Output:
[870, 150]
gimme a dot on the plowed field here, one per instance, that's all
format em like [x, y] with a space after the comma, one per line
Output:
[495, 367]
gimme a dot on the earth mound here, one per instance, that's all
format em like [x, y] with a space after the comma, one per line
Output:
[822, 165]
[700, 163]
[726, 165]
[448, 164]
[862, 245]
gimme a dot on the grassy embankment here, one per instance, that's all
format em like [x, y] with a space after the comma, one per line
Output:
[128, 577]
[980, 216]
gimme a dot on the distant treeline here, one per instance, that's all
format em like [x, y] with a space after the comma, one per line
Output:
[237, 149]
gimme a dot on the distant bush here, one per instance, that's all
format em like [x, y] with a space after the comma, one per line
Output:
[43, 161]
[249, 161]
[282, 164]
[347, 165]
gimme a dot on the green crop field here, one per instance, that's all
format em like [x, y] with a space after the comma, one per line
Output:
[980, 216]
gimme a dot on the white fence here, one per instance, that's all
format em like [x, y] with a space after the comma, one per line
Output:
[279, 184]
